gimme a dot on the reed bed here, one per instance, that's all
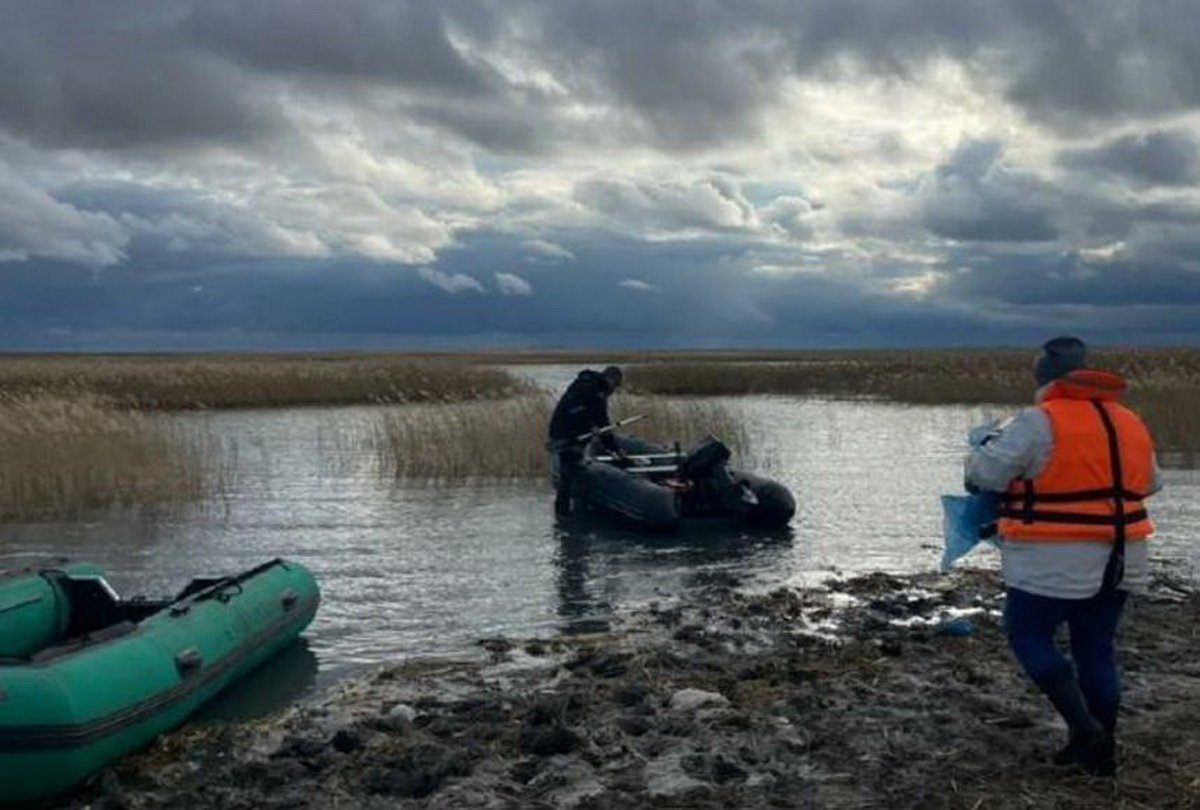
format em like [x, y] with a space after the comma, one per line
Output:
[506, 440]
[1164, 383]
[63, 458]
[166, 382]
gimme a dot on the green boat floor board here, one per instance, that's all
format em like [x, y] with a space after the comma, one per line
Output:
[63, 717]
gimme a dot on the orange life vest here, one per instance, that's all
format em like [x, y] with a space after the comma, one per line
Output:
[1100, 468]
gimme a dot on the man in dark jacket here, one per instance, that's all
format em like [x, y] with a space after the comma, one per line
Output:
[582, 409]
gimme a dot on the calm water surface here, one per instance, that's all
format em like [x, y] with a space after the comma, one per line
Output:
[416, 570]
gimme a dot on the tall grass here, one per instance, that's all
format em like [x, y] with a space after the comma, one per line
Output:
[169, 382]
[506, 440]
[62, 458]
[1164, 383]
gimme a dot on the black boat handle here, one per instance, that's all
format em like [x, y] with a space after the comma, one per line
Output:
[223, 596]
[288, 599]
[188, 662]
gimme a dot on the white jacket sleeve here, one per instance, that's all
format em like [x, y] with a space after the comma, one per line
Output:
[1156, 483]
[1019, 448]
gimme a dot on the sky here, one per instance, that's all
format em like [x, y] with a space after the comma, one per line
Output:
[212, 174]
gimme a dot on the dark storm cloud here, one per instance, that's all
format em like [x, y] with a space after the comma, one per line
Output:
[163, 142]
[693, 72]
[156, 292]
[1161, 157]
[686, 74]
[399, 43]
[1102, 60]
[1017, 281]
[494, 124]
[704, 301]
[114, 75]
[975, 197]
[700, 72]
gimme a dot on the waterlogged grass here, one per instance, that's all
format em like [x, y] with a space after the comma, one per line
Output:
[1164, 384]
[62, 458]
[171, 382]
[506, 440]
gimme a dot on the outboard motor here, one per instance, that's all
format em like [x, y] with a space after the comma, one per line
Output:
[704, 459]
[705, 465]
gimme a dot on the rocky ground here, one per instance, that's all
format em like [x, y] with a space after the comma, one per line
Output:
[872, 692]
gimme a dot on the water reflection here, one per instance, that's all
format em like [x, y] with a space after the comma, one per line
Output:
[272, 687]
[597, 556]
[577, 603]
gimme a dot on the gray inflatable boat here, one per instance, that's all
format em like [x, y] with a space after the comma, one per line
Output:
[660, 488]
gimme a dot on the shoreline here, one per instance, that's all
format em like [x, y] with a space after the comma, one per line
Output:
[870, 691]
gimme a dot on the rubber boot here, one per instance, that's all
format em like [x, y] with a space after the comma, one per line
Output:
[1070, 753]
[1088, 744]
[1098, 757]
[1102, 760]
[562, 502]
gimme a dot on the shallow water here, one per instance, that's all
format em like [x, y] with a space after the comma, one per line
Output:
[428, 570]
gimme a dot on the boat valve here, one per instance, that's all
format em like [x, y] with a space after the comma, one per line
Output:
[188, 662]
[288, 599]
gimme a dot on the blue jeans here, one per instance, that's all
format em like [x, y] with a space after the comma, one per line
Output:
[1031, 621]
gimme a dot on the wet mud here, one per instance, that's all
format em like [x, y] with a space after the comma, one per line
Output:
[877, 691]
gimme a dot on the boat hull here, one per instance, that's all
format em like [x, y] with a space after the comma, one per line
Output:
[67, 712]
[658, 498]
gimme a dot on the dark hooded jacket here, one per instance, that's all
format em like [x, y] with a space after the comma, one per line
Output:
[583, 406]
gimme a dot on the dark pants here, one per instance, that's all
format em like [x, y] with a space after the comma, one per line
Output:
[568, 462]
[1031, 621]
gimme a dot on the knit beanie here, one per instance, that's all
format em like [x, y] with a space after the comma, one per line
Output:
[1059, 357]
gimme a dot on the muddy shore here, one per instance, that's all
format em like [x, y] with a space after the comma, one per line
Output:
[877, 691]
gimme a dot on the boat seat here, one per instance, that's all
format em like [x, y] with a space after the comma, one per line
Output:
[87, 640]
[94, 605]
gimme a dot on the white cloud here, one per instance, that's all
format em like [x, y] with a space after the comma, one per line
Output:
[510, 284]
[547, 250]
[1105, 254]
[793, 217]
[658, 209]
[35, 224]
[450, 282]
[236, 230]
[784, 270]
[916, 286]
[637, 284]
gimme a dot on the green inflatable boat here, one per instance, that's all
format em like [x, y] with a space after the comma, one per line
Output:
[86, 677]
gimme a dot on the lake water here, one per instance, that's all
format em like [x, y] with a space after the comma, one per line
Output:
[428, 570]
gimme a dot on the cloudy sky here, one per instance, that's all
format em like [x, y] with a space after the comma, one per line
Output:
[212, 173]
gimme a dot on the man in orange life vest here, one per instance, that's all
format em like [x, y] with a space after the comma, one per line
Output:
[1073, 472]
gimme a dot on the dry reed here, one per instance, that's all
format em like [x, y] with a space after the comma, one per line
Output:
[506, 440]
[61, 458]
[170, 382]
[1164, 383]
